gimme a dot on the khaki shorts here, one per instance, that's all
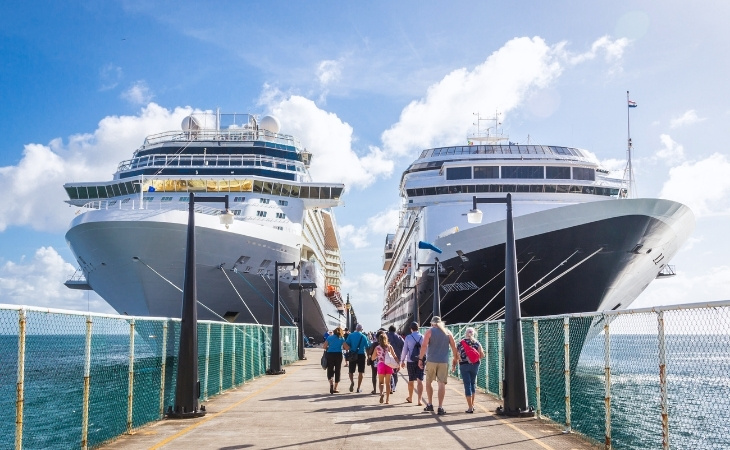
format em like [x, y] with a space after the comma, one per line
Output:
[437, 371]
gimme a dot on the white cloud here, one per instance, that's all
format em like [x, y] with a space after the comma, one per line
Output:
[684, 288]
[138, 94]
[329, 71]
[384, 222]
[109, 75]
[613, 50]
[330, 141]
[688, 118]
[702, 185]
[366, 295]
[671, 151]
[39, 282]
[36, 183]
[356, 237]
[444, 115]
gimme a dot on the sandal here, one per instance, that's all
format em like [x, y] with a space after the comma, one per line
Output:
[408, 400]
[381, 397]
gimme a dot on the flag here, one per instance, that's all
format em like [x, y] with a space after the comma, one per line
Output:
[632, 104]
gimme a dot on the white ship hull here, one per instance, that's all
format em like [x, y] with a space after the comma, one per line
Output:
[135, 260]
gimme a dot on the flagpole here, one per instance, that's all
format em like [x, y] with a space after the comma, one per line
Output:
[629, 172]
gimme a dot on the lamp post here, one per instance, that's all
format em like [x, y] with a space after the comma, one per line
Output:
[275, 361]
[187, 388]
[347, 307]
[300, 319]
[515, 383]
[436, 271]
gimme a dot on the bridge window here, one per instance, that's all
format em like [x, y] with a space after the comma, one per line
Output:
[581, 173]
[280, 215]
[265, 201]
[260, 213]
[523, 172]
[283, 202]
[239, 199]
[557, 173]
[482, 172]
[458, 173]
[166, 199]
[184, 199]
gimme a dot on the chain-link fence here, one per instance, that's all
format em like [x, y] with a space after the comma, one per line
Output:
[631, 379]
[79, 380]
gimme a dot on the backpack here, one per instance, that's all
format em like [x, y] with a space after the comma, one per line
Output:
[416, 350]
[471, 353]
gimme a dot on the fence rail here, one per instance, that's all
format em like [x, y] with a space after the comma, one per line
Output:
[642, 378]
[82, 379]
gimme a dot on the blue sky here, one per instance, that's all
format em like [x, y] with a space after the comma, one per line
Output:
[365, 86]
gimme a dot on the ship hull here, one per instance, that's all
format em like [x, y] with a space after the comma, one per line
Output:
[135, 260]
[576, 258]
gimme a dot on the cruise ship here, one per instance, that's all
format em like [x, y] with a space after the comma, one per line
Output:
[583, 244]
[129, 234]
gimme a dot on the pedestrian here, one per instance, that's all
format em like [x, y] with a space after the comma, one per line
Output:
[345, 333]
[409, 360]
[333, 347]
[397, 343]
[369, 354]
[385, 372]
[357, 342]
[435, 348]
[468, 367]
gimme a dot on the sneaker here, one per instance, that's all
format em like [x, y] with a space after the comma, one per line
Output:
[373, 391]
[428, 408]
[359, 390]
[441, 411]
[352, 386]
[469, 411]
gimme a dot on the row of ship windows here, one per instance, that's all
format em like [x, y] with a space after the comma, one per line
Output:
[482, 188]
[521, 172]
[197, 185]
[502, 150]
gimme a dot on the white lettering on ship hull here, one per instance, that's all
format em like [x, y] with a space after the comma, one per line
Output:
[468, 286]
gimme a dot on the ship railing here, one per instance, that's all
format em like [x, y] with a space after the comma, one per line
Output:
[152, 206]
[207, 161]
[225, 135]
[630, 378]
[118, 371]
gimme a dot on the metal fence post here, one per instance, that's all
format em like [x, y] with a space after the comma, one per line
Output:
[663, 381]
[130, 388]
[220, 366]
[87, 386]
[20, 392]
[233, 355]
[499, 359]
[207, 362]
[566, 343]
[607, 363]
[163, 365]
[486, 358]
[536, 332]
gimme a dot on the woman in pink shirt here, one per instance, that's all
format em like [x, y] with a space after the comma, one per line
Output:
[384, 371]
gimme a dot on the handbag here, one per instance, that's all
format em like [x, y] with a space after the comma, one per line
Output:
[324, 359]
[390, 361]
[351, 355]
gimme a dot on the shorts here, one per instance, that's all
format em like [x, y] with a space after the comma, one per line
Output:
[414, 372]
[360, 364]
[384, 369]
[437, 371]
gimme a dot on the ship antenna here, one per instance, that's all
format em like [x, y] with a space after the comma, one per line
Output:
[629, 181]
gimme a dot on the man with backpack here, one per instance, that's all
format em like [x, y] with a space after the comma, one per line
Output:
[396, 342]
[409, 359]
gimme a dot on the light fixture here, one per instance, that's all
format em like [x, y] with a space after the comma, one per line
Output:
[474, 216]
[294, 273]
[226, 218]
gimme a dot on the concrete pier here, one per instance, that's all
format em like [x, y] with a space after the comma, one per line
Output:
[296, 410]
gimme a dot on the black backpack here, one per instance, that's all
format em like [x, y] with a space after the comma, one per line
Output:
[416, 351]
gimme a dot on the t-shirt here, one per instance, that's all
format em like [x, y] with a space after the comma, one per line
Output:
[334, 344]
[357, 342]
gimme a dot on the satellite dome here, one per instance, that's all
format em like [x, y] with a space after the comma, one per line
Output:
[270, 123]
[190, 123]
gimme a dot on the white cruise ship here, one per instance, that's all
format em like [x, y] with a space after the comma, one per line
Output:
[582, 243]
[129, 235]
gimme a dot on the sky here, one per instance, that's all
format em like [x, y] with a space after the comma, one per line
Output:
[365, 87]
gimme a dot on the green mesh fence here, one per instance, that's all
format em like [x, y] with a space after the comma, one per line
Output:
[79, 380]
[622, 372]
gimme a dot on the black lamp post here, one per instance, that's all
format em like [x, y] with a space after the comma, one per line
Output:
[275, 362]
[347, 307]
[187, 388]
[436, 272]
[515, 383]
[301, 316]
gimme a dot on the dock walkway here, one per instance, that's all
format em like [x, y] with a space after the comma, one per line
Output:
[296, 410]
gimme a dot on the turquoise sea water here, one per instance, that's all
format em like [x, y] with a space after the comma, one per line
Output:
[698, 383]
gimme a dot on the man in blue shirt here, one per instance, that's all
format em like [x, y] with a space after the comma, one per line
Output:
[357, 342]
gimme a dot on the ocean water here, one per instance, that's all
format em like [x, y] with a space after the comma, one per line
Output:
[698, 389]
